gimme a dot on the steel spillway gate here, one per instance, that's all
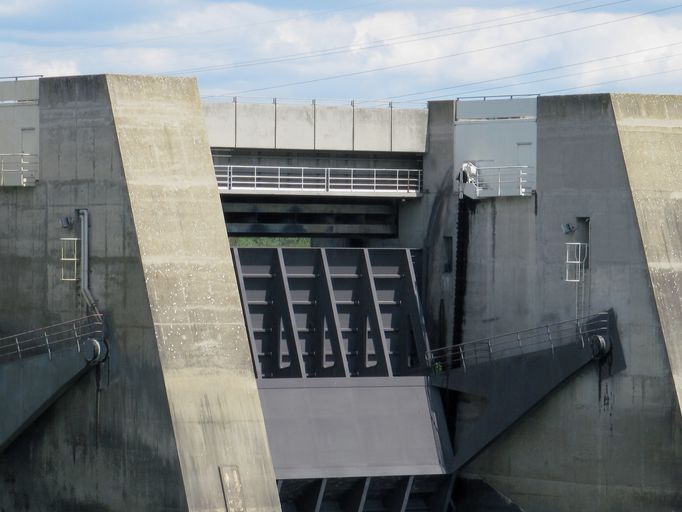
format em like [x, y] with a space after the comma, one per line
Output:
[332, 312]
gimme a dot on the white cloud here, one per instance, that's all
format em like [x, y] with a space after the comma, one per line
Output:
[222, 34]
[10, 8]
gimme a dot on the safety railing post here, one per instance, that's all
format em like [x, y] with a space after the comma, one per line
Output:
[78, 342]
[18, 347]
[461, 355]
[47, 344]
[549, 337]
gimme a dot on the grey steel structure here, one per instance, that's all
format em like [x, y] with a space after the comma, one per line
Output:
[354, 375]
[332, 312]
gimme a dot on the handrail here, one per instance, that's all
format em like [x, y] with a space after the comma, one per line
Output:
[551, 336]
[323, 179]
[47, 340]
[18, 169]
[502, 180]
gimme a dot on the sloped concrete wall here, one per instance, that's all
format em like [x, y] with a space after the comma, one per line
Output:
[650, 131]
[612, 444]
[193, 296]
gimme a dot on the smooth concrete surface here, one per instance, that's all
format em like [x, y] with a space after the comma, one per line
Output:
[358, 427]
[408, 130]
[431, 223]
[315, 127]
[19, 116]
[496, 109]
[334, 128]
[497, 133]
[612, 444]
[220, 124]
[650, 131]
[295, 125]
[192, 291]
[19, 90]
[372, 129]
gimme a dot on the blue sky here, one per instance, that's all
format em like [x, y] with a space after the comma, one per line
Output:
[370, 50]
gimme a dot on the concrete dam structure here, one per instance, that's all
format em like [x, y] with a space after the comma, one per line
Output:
[487, 317]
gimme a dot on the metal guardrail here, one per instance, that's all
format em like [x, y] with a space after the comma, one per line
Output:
[53, 338]
[18, 169]
[330, 180]
[510, 180]
[551, 336]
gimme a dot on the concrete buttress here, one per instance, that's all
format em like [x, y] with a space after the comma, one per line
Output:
[172, 421]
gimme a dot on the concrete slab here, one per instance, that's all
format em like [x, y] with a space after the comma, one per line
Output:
[409, 130]
[650, 131]
[334, 128]
[220, 124]
[372, 129]
[295, 125]
[255, 126]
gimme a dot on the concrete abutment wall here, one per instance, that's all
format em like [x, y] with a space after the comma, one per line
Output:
[178, 407]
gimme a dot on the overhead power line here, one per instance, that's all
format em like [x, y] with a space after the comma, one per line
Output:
[398, 40]
[569, 75]
[607, 82]
[457, 54]
[201, 32]
[461, 86]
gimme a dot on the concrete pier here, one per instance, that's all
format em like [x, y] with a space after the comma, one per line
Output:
[172, 421]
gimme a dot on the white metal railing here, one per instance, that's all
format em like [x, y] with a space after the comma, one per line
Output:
[486, 350]
[510, 180]
[240, 178]
[47, 340]
[18, 169]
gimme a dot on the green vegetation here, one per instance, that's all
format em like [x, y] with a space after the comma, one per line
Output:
[269, 241]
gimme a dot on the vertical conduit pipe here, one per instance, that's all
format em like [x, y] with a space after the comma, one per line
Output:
[85, 258]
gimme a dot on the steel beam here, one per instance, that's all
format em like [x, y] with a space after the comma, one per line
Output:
[371, 307]
[414, 311]
[325, 295]
[354, 500]
[440, 500]
[257, 365]
[285, 315]
[311, 501]
[398, 497]
[337, 229]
